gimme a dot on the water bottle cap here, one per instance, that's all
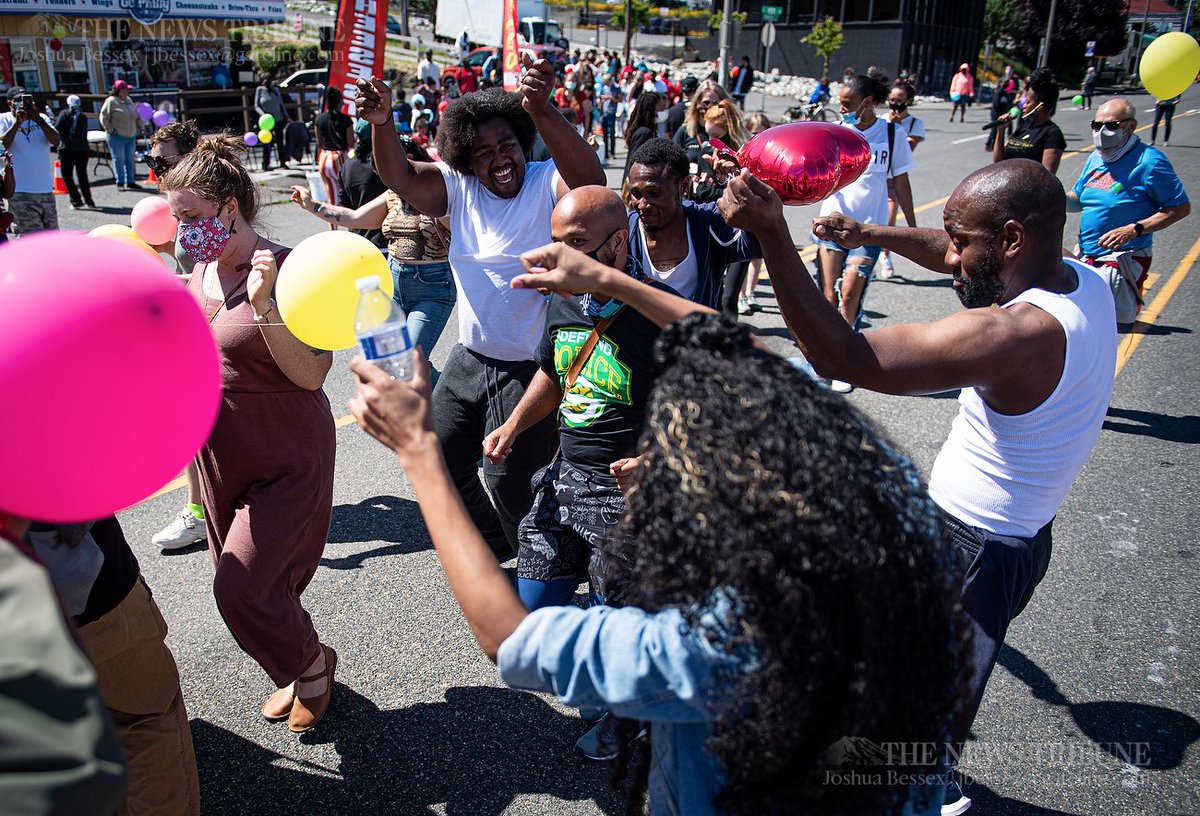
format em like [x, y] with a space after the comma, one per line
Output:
[368, 283]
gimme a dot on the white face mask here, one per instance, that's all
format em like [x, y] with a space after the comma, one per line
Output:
[1106, 139]
[662, 117]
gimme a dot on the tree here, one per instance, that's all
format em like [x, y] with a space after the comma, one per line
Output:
[1075, 23]
[1002, 22]
[633, 15]
[826, 37]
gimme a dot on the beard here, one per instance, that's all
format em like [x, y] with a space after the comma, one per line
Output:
[983, 287]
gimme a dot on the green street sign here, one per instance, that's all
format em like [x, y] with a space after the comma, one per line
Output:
[772, 14]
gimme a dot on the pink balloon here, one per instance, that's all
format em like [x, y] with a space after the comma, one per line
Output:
[151, 219]
[805, 162]
[110, 377]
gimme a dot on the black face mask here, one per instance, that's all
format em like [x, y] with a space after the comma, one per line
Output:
[594, 254]
[898, 107]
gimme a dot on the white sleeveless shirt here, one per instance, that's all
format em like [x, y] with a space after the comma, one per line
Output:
[1009, 474]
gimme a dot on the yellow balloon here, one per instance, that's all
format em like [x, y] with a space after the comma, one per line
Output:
[316, 289]
[264, 137]
[1170, 64]
[120, 232]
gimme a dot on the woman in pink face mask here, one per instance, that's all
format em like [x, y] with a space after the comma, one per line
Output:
[266, 474]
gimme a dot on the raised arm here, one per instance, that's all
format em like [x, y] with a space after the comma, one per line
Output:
[398, 415]
[976, 347]
[419, 183]
[560, 268]
[926, 247]
[577, 162]
[368, 216]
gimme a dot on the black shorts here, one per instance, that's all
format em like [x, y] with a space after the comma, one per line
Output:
[574, 512]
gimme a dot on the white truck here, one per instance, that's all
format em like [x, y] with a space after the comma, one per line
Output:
[483, 22]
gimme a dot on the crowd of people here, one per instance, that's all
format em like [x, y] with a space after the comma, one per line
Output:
[769, 579]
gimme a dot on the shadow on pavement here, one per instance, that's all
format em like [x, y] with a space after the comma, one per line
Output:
[1152, 737]
[476, 752]
[985, 800]
[1151, 329]
[1168, 428]
[379, 518]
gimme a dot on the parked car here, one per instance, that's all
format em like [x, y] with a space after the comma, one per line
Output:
[309, 77]
[478, 56]
[393, 26]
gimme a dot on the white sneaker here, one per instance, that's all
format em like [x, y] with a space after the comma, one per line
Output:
[840, 387]
[184, 531]
[956, 802]
[886, 270]
[752, 302]
[743, 306]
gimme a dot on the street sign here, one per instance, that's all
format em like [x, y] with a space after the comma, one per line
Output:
[772, 14]
[768, 35]
[298, 23]
[1091, 49]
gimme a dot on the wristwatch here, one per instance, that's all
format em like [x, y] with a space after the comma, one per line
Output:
[1138, 227]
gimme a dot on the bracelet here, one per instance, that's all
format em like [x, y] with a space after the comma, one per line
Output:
[262, 318]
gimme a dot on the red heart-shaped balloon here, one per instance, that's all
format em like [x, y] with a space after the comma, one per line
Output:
[805, 162]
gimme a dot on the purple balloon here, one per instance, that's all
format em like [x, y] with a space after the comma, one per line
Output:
[144, 110]
[250, 138]
[161, 118]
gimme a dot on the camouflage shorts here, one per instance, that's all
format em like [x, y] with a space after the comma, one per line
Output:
[34, 212]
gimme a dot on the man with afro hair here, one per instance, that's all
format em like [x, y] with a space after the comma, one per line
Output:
[499, 206]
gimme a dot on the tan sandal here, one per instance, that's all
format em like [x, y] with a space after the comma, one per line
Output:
[278, 706]
[308, 711]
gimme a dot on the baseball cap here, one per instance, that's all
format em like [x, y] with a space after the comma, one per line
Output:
[120, 85]
[14, 92]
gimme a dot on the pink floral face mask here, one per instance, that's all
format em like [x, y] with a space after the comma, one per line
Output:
[204, 240]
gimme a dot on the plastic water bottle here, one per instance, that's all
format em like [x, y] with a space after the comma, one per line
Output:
[382, 330]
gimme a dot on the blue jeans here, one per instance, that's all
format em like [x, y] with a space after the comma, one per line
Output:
[863, 270]
[121, 150]
[426, 293]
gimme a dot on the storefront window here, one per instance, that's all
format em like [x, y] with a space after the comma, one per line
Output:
[69, 68]
[25, 62]
[145, 63]
[207, 64]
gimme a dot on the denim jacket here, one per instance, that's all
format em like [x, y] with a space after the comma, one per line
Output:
[639, 666]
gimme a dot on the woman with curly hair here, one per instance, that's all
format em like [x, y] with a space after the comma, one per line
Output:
[771, 627]
[498, 205]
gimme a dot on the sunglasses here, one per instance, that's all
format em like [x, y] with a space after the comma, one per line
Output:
[158, 164]
[1110, 125]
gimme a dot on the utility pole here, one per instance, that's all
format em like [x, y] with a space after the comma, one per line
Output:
[404, 10]
[1044, 57]
[726, 36]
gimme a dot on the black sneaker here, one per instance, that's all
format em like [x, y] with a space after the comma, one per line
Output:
[133, 185]
[602, 743]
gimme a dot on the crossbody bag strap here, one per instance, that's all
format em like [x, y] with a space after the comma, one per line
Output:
[588, 346]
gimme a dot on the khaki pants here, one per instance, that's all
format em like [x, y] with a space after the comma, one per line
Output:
[140, 684]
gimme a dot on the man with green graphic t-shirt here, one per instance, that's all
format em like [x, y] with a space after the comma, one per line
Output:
[600, 399]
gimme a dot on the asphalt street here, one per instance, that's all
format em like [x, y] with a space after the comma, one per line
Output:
[1093, 709]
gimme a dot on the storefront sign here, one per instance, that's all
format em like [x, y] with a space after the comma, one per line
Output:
[149, 12]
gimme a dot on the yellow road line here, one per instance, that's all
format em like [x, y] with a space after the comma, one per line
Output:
[1151, 313]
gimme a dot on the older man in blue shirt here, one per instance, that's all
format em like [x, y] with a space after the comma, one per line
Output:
[1127, 191]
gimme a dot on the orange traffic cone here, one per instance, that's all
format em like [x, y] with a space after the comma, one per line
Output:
[60, 186]
[153, 176]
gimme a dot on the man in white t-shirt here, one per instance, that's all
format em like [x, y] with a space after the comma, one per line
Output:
[499, 206]
[29, 135]
[428, 69]
[1033, 353]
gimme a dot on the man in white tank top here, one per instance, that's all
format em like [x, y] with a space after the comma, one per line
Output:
[1036, 373]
